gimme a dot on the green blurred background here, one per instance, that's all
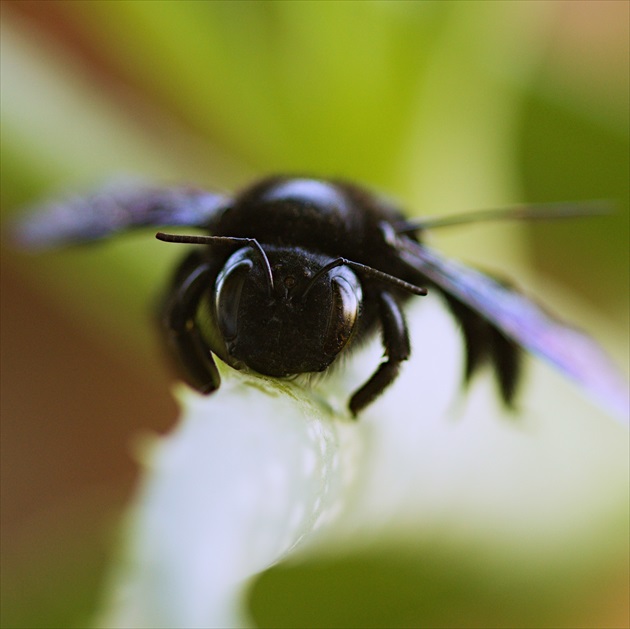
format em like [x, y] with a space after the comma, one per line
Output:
[445, 105]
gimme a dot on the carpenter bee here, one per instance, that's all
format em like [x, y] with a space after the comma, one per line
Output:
[293, 272]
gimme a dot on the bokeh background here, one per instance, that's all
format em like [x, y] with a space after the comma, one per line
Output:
[445, 105]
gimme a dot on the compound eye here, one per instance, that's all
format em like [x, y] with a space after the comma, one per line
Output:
[229, 288]
[344, 312]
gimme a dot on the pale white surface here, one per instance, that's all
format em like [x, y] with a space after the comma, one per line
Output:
[262, 471]
[243, 478]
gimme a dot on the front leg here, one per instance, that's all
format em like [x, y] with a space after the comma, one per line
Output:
[397, 349]
[187, 349]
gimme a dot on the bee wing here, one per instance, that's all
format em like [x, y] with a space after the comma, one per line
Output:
[569, 350]
[100, 215]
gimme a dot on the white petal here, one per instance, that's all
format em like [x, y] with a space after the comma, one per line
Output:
[244, 477]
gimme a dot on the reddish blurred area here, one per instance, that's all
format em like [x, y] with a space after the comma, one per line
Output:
[51, 449]
[59, 22]
[69, 419]
[68, 425]
[64, 23]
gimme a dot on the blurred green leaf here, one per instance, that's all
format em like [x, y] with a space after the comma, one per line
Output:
[567, 156]
[436, 585]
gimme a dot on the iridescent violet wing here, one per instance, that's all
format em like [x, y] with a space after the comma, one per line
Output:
[572, 352]
[113, 210]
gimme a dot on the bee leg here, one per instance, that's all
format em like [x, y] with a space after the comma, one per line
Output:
[506, 357]
[475, 331]
[188, 351]
[397, 349]
[485, 343]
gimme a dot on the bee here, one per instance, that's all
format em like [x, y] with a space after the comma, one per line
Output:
[292, 272]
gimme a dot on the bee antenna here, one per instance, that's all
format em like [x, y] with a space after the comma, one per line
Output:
[365, 270]
[228, 240]
[543, 211]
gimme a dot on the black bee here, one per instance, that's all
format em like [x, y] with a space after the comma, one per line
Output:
[295, 271]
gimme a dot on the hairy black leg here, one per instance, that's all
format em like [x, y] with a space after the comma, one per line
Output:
[506, 357]
[475, 332]
[397, 349]
[188, 351]
[483, 343]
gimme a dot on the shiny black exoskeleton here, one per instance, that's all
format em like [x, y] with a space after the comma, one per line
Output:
[296, 271]
[317, 278]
